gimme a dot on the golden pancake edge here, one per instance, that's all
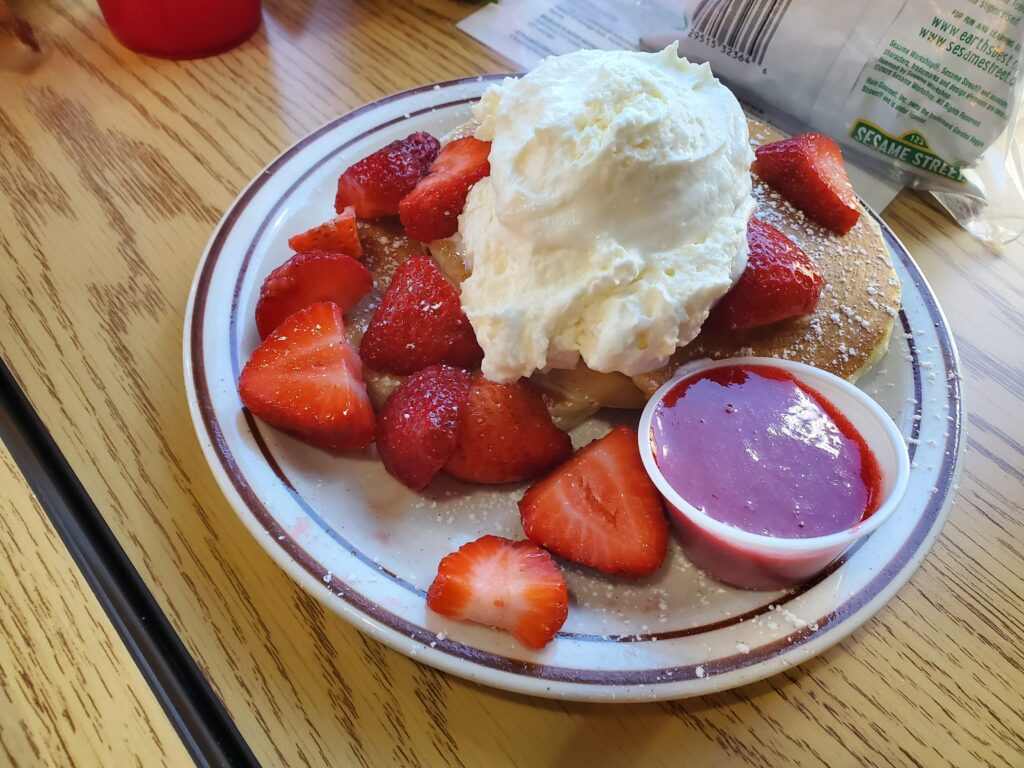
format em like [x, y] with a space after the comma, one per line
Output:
[847, 334]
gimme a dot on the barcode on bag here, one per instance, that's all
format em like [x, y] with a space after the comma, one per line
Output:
[741, 29]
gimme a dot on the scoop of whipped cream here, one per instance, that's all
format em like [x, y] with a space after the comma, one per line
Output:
[614, 215]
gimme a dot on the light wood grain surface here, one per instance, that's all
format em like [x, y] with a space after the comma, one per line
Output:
[69, 691]
[113, 172]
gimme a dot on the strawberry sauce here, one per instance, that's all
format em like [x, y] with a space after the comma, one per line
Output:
[755, 448]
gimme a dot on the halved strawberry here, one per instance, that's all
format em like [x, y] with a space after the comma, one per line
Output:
[416, 427]
[778, 283]
[600, 509]
[513, 585]
[431, 210]
[305, 279]
[339, 235]
[808, 171]
[419, 322]
[306, 379]
[505, 435]
[376, 184]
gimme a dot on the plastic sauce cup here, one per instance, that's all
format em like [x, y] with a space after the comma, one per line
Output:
[754, 561]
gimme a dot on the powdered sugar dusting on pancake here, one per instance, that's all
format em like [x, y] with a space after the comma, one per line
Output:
[850, 330]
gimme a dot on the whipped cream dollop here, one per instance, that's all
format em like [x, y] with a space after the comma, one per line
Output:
[614, 215]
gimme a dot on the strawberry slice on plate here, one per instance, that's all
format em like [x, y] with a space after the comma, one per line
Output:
[417, 425]
[600, 509]
[305, 279]
[419, 322]
[513, 585]
[376, 184]
[431, 210]
[779, 282]
[339, 235]
[505, 435]
[808, 171]
[306, 379]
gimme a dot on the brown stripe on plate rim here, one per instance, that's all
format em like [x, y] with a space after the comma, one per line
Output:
[519, 666]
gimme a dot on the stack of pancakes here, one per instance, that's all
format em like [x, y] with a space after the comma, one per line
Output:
[846, 335]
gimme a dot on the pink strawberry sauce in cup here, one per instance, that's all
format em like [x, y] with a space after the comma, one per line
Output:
[770, 469]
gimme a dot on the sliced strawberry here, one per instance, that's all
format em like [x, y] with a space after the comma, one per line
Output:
[305, 279]
[306, 379]
[431, 211]
[778, 283]
[419, 322]
[416, 427]
[514, 585]
[808, 171]
[339, 235]
[505, 435]
[376, 184]
[600, 509]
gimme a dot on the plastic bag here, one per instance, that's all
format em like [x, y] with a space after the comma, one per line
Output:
[926, 92]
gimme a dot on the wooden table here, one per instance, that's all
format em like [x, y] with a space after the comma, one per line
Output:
[62, 661]
[114, 169]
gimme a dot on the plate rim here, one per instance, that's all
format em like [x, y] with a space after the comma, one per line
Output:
[464, 665]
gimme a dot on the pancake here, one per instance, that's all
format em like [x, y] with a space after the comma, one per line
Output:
[847, 334]
[385, 246]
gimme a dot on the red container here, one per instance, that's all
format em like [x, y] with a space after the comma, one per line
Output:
[181, 29]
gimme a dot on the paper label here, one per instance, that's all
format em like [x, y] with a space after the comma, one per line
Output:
[526, 31]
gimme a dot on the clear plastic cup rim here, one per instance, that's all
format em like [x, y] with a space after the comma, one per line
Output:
[899, 470]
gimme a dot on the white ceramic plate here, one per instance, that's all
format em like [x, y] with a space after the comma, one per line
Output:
[369, 548]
